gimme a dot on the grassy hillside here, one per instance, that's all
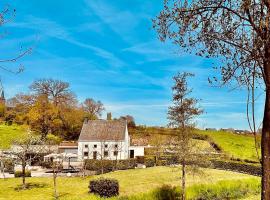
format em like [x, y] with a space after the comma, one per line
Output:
[234, 145]
[9, 133]
[132, 182]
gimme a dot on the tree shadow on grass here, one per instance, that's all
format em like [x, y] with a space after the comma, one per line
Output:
[30, 186]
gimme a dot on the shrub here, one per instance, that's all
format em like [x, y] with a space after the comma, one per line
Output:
[149, 161]
[19, 174]
[8, 165]
[104, 187]
[167, 192]
[46, 164]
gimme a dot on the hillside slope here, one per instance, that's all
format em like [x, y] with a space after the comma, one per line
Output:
[10, 133]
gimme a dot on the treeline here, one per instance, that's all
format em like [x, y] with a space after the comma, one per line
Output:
[50, 107]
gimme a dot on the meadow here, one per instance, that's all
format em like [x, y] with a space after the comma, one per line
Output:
[234, 145]
[134, 184]
[10, 133]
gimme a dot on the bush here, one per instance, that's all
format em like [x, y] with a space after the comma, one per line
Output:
[46, 164]
[8, 165]
[18, 174]
[167, 192]
[149, 161]
[104, 187]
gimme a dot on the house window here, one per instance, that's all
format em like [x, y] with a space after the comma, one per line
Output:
[95, 146]
[86, 146]
[85, 154]
[106, 146]
[116, 146]
[94, 155]
[106, 153]
[115, 153]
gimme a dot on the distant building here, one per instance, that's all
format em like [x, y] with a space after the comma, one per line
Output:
[210, 129]
[106, 139]
[230, 130]
[68, 147]
[2, 94]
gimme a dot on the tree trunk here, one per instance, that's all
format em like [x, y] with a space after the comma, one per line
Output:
[23, 173]
[265, 147]
[54, 184]
[183, 180]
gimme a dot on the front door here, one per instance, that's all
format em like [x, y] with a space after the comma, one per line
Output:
[94, 155]
[131, 153]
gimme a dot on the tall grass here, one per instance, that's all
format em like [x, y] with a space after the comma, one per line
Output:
[221, 190]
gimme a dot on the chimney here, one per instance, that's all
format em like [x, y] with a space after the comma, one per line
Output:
[109, 116]
[85, 120]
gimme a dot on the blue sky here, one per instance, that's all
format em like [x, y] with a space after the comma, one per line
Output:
[108, 51]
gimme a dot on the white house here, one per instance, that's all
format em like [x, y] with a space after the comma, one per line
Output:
[106, 139]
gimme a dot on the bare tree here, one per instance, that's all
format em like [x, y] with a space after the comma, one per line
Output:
[25, 150]
[56, 167]
[93, 108]
[7, 14]
[57, 91]
[238, 33]
[181, 116]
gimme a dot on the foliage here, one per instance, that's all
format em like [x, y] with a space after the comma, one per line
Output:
[104, 187]
[53, 139]
[167, 192]
[18, 174]
[8, 164]
[51, 108]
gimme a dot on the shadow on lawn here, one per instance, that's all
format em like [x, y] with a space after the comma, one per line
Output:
[30, 186]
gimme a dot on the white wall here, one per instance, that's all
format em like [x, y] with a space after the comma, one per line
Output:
[138, 150]
[122, 149]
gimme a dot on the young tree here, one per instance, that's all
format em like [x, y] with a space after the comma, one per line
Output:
[238, 33]
[181, 117]
[23, 147]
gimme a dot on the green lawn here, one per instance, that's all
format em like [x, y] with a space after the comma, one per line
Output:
[135, 181]
[235, 145]
[9, 133]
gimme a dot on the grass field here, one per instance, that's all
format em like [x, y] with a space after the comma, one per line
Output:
[135, 181]
[235, 145]
[9, 133]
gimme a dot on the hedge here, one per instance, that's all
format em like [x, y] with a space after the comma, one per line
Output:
[18, 174]
[104, 187]
[109, 165]
[241, 167]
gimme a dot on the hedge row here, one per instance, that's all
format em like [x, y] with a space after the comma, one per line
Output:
[238, 167]
[109, 165]
[18, 174]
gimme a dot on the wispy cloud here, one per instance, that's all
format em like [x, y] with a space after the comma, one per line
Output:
[49, 28]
